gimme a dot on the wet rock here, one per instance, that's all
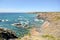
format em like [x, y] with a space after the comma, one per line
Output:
[26, 26]
[17, 24]
[38, 16]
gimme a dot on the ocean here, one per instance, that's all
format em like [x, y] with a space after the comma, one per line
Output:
[7, 19]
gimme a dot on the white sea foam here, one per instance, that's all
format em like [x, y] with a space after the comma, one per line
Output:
[20, 19]
[42, 20]
[3, 20]
[20, 16]
[6, 19]
[36, 20]
[26, 22]
[21, 22]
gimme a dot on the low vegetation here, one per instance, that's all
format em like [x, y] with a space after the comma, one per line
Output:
[50, 37]
[56, 18]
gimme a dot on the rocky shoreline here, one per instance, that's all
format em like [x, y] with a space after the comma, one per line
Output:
[50, 30]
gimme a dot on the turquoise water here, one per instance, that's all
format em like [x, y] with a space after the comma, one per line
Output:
[18, 18]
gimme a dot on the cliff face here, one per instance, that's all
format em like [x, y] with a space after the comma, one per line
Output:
[54, 23]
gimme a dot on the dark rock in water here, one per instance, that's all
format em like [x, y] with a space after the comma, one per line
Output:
[26, 26]
[0, 20]
[17, 24]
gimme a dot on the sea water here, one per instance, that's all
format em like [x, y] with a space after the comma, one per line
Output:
[23, 18]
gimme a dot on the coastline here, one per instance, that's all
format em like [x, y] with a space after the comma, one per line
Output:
[51, 26]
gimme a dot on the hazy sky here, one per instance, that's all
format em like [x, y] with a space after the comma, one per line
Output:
[29, 5]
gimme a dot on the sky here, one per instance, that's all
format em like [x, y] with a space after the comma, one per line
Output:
[29, 5]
